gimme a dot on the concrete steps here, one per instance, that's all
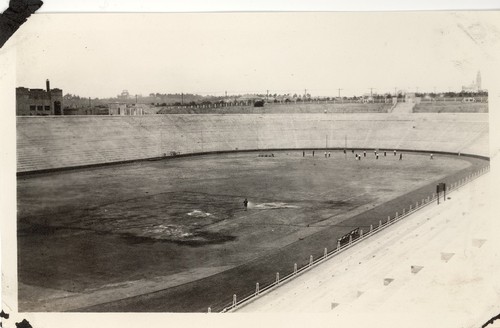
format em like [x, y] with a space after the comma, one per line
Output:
[49, 142]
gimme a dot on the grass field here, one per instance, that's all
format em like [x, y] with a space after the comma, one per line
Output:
[290, 108]
[156, 235]
[451, 107]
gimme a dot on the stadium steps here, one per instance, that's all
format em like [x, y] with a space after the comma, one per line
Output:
[403, 108]
[56, 142]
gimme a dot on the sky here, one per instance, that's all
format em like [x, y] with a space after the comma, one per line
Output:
[99, 55]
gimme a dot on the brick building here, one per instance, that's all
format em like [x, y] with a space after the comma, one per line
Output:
[39, 101]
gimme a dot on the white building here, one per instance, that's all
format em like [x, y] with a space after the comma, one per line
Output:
[474, 86]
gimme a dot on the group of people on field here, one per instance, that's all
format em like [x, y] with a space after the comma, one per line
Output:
[357, 156]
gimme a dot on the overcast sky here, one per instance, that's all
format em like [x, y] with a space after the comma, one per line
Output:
[100, 55]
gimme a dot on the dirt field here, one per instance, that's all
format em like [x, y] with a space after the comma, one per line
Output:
[173, 235]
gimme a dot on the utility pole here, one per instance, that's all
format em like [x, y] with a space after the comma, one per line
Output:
[339, 91]
[267, 95]
[395, 91]
[182, 98]
[371, 92]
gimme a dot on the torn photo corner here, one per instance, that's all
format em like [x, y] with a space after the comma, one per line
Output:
[15, 15]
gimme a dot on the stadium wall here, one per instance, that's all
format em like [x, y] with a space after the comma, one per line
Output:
[48, 143]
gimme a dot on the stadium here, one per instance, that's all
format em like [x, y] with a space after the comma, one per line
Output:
[329, 169]
[145, 213]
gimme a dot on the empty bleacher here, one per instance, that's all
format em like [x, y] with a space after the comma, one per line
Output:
[59, 142]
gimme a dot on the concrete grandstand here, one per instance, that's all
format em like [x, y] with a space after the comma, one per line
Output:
[45, 143]
[55, 143]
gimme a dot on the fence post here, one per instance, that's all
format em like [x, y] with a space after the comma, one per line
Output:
[423, 201]
[361, 233]
[416, 205]
[209, 310]
[277, 278]
[371, 228]
[350, 239]
[294, 268]
[234, 300]
[409, 209]
[257, 289]
[338, 245]
[388, 219]
[379, 223]
[326, 252]
[404, 210]
[396, 215]
[310, 260]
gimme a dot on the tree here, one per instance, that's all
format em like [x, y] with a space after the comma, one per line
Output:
[258, 103]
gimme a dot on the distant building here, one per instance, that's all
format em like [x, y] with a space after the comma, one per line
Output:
[474, 86]
[367, 98]
[124, 95]
[39, 101]
[411, 97]
[124, 109]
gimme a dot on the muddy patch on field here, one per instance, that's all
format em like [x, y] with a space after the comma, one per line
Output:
[194, 238]
[338, 203]
[271, 205]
